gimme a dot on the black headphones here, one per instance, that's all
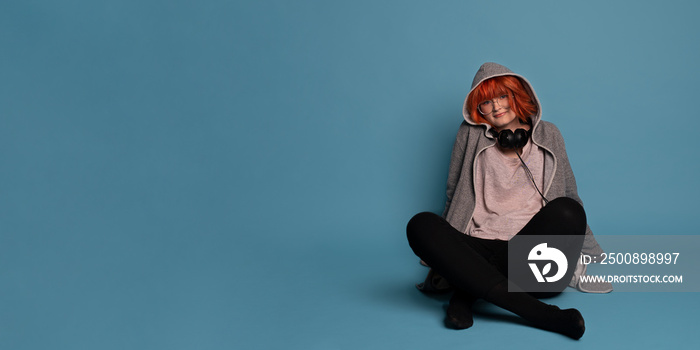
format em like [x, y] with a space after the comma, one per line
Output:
[513, 139]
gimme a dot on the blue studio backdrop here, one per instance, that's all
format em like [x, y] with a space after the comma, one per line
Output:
[238, 174]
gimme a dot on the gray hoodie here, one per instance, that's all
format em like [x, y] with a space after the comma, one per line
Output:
[473, 138]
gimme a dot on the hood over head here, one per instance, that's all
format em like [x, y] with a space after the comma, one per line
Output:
[491, 70]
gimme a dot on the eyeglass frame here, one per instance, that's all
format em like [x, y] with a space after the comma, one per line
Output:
[494, 101]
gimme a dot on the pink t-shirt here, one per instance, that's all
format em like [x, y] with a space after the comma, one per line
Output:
[506, 199]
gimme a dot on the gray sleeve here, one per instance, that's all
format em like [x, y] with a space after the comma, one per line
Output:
[590, 245]
[456, 161]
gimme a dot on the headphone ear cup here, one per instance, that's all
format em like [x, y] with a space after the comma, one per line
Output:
[520, 137]
[505, 138]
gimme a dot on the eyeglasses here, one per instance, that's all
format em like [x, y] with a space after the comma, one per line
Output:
[487, 107]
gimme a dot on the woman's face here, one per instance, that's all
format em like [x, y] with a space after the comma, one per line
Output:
[502, 116]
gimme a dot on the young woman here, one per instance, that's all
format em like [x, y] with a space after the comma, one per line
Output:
[509, 176]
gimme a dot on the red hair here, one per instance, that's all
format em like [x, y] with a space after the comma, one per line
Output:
[519, 99]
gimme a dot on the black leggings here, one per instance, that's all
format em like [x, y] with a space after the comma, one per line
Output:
[474, 265]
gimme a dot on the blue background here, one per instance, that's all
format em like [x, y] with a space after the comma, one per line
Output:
[238, 174]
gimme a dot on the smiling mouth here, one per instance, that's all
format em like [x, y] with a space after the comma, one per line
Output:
[499, 115]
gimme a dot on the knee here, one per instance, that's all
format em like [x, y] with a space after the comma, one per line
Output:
[571, 211]
[418, 228]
